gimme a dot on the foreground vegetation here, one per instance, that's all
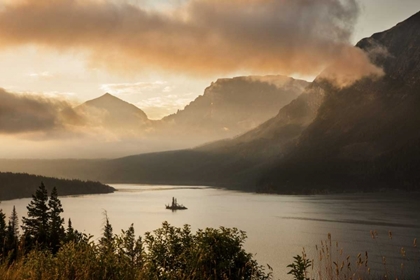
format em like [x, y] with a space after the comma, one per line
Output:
[46, 250]
[331, 262]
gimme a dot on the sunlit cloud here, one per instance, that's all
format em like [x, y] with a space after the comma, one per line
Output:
[138, 88]
[195, 37]
[43, 75]
[161, 106]
[67, 96]
[30, 113]
[154, 98]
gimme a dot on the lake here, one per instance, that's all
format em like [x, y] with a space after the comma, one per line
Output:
[277, 226]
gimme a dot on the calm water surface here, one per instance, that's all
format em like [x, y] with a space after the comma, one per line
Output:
[277, 226]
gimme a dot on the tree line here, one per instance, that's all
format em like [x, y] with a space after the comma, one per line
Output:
[19, 185]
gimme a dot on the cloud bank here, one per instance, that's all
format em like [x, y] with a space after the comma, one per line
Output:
[197, 37]
[23, 113]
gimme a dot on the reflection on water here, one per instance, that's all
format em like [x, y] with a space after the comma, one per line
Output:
[277, 226]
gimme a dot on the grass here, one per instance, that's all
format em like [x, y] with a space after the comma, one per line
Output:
[330, 262]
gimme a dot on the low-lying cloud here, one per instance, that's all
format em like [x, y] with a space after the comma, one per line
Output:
[24, 113]
[197, 37]
[352, 65]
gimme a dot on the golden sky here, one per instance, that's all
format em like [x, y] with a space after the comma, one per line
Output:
[160, 55]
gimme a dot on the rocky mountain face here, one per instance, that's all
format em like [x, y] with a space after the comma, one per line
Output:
[277, 135]
[230, 107]
[365, 136]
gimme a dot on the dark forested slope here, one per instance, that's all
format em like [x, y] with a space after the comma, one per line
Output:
[21, 185]
[365, 136]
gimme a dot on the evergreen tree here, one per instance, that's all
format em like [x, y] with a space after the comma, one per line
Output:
[12, 235]
[74, 235]
[132, 247]
[107, 257]
[35, 226]
[2, 232]
[55, 224]
[106, 242]
[70, 234]
[14, 223]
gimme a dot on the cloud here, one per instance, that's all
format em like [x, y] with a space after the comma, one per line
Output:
[197, 37]
[161, 106]
[43, 75]
[351, 66]
[135, 88]
[25, 113]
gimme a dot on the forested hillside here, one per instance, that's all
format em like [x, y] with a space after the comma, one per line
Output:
[21, 185]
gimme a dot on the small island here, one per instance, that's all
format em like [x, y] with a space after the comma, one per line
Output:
[175, 206]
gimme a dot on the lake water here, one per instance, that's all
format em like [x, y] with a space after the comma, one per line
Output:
[277, 226]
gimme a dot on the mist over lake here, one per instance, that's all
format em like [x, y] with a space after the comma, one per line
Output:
[277, 226]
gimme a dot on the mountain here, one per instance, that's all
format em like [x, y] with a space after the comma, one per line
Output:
[215, 162]
[114, 114]
[24, 185]
[227, 108]
[365, 136]
[234, 163]
[275, 136]
[230, 107]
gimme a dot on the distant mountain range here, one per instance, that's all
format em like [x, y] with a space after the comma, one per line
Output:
[230, 107]
[227, 108]
[363, 137]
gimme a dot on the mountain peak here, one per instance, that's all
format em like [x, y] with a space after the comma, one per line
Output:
[108, 100]
[116, 107]
[108, 96]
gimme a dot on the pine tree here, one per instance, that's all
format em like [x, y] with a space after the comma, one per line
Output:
[132, 247]
[70, 234]
[106, 242]
[14, 223]
[35, 226]
[12, 235]
[2, 232]
[55, 224]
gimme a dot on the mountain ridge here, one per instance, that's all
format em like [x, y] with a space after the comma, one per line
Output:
[353, 142]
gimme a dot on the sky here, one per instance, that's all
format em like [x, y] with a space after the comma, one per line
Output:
[192, 44]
